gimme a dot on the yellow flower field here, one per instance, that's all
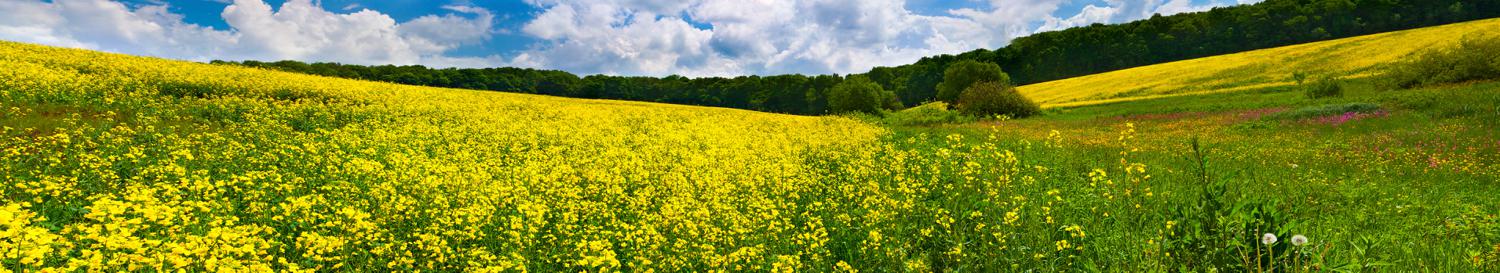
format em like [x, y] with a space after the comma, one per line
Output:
[118, 163]
[164, 165]
[1355, 56]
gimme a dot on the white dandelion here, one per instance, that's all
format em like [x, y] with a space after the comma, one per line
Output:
[1268, 239]
[1299, 240]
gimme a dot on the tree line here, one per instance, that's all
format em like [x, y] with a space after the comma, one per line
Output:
[1037, 58]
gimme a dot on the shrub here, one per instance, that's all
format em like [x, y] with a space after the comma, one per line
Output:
[927, 114]
[962, 74]
[1299, 76]
[1475, 58]
[1324, 88]
[993, 98]
[856, 94]
[1326, 110]
[183, 89]
[890, 101]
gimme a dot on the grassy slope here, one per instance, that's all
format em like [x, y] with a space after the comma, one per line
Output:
[1412, 187]
[1356, 56]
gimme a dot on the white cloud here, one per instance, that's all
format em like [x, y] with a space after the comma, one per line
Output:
[298, 29]
[1180, 6]
[1116, 11]
[631, 37]
[433, 33]
[1091, 14]
[811, 36]
[787, 36]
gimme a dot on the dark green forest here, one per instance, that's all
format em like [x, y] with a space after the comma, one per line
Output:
[1037, 58]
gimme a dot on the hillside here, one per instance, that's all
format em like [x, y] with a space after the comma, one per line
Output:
[1267, 68]
[144, 163]
[120, 163]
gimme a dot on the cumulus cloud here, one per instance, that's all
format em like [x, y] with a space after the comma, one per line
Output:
[298, 29]
[628, 37]
[740, 36]
[734, 37]
[1116, 11]
[1180, 6]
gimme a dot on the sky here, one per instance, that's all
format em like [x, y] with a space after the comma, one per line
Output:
[694, 38]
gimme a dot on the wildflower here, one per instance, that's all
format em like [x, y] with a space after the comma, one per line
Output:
[1299, 240]
[1268, 239]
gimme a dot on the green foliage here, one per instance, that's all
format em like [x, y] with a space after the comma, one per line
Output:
[1326, 110]
[1325, 87]
[988, 99]
[1299, 77]
[1475, 58]
[857, 94]
[961, 75]
[187, 89]
[932, 113]
[1224, 231]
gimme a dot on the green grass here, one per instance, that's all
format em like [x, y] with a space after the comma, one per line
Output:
[1411, 186]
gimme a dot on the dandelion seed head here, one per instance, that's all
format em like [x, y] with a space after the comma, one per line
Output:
[1299, 240]
[1268, 239]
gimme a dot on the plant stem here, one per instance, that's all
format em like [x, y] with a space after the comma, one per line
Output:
[1271, 253]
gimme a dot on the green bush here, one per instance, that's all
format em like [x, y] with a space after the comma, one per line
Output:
[1475, 58]
[961, 75]
[932, 113]
[890, 101]
[856, 94]
[1326, 110]
[1325, 87]
[992, 98]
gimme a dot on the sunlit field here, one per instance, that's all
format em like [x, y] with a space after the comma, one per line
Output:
[1349, 57]
[125, 163]
[121, 163]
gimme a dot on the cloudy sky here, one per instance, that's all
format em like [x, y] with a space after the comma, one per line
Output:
[618, 37]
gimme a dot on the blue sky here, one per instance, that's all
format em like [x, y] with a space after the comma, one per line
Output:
[619, 37]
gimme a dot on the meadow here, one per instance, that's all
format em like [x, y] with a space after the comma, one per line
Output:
[121, 163]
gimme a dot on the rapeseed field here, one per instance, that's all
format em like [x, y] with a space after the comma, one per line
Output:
[120, 163]
[1354, 57]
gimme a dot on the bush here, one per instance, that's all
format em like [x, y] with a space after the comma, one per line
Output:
[890, 101]
[1325, 87]
[927, 114]
[856, 94]
[992, 98]
[961, 75]
[1475, 58]
[1326, 110]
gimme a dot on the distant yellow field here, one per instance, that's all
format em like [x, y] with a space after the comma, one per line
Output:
[1252, 69]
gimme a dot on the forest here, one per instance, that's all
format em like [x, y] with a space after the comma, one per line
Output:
[1037, 58]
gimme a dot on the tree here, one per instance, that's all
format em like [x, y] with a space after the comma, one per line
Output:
[962, 74]
[993, 98]
[856, 94]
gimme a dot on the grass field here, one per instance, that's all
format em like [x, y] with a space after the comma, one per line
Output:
[120, 163]
[1349, 57]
